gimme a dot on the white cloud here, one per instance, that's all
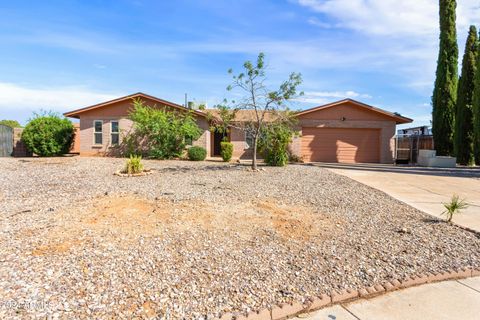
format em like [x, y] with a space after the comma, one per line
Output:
[16, 97]
[405, 33]
[323, 97]
[392, 17]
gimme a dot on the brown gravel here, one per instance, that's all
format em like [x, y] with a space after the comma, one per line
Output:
[195, 240]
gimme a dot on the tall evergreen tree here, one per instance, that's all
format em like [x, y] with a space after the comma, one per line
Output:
[464, 118]
[445, 92]
[476, 111]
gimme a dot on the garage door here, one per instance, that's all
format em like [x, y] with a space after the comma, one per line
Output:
[341, 145]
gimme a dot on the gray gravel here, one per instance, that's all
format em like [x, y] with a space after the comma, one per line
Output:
[195, 240]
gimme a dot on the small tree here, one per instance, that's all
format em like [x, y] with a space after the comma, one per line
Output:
[258, 99]
[161, 133]
[463, 135]
[48, 134]
[11, 123]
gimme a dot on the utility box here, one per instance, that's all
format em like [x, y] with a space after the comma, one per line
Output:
[429, 158]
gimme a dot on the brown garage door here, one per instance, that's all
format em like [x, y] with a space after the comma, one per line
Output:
[340, 145]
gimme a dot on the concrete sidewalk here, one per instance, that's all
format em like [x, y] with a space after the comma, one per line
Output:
[423, 188]
[459, 299]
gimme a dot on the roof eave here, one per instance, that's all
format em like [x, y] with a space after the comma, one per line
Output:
[75, 113]
[398, 119]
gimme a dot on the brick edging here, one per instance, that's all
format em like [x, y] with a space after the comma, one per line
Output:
[285, 311]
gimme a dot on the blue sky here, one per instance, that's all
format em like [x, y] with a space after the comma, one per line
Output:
[63, 55]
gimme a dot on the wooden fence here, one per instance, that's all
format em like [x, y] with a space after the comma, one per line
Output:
[6, 141]
[407, 146]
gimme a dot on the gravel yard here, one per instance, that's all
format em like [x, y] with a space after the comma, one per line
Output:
[196, 240]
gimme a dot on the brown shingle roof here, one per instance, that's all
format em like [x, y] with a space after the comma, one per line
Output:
[243, 115]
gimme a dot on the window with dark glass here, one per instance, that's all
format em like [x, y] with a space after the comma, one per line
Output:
[97, 133]
[115, 133]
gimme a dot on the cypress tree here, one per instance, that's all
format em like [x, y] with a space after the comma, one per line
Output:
[445, 92]
[464, 118]
[476, 111]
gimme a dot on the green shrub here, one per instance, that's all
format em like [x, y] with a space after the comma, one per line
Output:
[161, 133]
[48, 135]
[226, 150]
[293, 158]
[197, 153]
[273, 143]
[133, 165]
[11, 123]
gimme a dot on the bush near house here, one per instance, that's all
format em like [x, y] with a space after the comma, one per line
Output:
[11, 123]
[48, 135]
[196, 153]
[160, 133]
[226, 150]
[273, 143]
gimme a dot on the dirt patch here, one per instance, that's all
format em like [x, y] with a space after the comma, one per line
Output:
[297, 222]
[54, 248]
[125, 219]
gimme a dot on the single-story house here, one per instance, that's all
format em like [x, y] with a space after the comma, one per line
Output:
[344, 131]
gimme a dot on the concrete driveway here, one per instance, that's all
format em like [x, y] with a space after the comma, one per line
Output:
[423, 188]
[458, 299]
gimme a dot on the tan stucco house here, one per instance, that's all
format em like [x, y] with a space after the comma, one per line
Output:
[345, 131]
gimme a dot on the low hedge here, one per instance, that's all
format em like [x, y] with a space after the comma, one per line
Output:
[226, 150]
[196, 153]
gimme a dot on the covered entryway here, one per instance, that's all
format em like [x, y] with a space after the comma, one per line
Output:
[344, 145]
[217, 138]
[6, 141]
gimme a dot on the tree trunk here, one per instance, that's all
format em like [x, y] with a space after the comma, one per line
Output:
[254, 156]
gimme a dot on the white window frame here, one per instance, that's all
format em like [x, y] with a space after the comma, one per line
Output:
[112, 133]
[247, 146]
[95, 132]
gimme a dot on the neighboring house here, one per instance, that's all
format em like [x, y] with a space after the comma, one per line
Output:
[416, 131]
[344, 131]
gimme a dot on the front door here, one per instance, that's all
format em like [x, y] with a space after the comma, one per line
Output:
[217, 139]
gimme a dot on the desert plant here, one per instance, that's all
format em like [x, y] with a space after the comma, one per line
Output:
[133, 165]
[226, 150]
[161, 133]
[196, 153]
[48, 134]
[454, 206]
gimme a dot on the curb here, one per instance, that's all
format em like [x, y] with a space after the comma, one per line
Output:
[285, 311]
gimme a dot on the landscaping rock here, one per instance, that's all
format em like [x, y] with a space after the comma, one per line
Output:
[202, 239]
